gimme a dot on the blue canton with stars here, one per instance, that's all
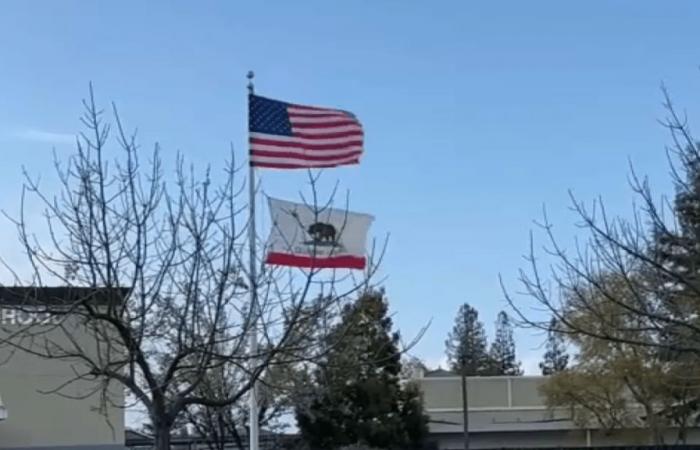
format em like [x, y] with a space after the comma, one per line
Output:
[268, 116]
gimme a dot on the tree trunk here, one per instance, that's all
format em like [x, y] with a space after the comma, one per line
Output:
[682, 435]
[657, 434]
[161, 436]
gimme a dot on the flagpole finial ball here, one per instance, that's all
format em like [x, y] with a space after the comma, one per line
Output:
[250, 77]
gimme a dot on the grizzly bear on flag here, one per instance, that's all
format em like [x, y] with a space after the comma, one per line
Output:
[322, 232]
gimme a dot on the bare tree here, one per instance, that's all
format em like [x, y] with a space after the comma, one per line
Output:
[612, 379]
[653, 258]
[280, 387]
[225, 427]
[169, 253]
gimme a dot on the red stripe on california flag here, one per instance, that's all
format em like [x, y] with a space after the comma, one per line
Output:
[331, 262]
[302, 165]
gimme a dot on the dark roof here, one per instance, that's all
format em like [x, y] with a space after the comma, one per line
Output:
[439, 372]
[59, 295]
[135, 438]
[133, 435]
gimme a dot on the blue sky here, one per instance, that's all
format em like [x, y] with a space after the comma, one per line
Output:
[476, 115]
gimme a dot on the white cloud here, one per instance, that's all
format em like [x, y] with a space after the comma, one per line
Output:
[530, 363]
[44, 136]
[434, 361]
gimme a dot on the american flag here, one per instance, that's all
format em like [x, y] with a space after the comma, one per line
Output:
[288, 136]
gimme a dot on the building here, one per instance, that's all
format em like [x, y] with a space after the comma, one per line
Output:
[510, 412]
[34, 415]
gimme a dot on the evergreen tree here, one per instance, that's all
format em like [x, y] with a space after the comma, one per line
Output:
[679, 247]
[358, 397]
[555, 357]
[466, 345]
[678, 252]
[413, 417]
[503, 359]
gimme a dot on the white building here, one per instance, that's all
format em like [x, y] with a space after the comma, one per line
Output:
[510, 412]
[32, 415]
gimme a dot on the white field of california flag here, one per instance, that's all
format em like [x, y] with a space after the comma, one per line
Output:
[333, 238]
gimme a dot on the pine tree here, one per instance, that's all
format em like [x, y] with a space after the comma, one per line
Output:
[466, 344]
[358, 396]
[678, 251]
[555, 357]
[502, 354]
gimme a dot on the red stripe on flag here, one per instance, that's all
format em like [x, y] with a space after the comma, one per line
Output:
[320, 115]
[312, 108]
[309, 164]
[305, 157]
[331, 262]
[337, 134]
[329, 124]
[292, 144]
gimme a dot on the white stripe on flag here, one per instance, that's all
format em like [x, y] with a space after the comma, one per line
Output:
[316, 120]
[314, 112]
[300, 140]
[329, 130]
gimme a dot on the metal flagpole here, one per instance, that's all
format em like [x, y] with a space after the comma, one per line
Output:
[253, 407]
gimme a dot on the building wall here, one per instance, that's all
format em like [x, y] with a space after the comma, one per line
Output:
[510, 412]
[37, 418]
[484, 392]
[553, 439]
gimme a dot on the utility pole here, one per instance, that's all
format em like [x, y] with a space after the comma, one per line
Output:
[465, 406]
[465, 394]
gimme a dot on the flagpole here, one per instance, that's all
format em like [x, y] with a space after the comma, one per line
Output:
[253, 407]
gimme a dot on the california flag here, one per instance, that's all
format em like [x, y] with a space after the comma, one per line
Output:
[331, 238]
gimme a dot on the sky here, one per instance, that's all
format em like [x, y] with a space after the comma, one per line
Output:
[477, 114]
